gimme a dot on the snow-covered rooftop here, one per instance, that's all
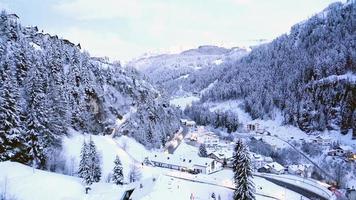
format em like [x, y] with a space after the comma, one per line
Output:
[180, 160]
[275, 165]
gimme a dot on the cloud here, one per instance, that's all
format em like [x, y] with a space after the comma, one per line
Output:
[103, 43]
[103, 9]
[241, 2]
[4, 6]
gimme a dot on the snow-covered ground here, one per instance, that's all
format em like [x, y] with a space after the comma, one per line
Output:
[230, 105]
[24, 183]
[183, 102]
[129, 151]
[305, 183]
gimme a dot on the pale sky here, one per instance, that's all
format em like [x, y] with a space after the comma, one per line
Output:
[124, 29]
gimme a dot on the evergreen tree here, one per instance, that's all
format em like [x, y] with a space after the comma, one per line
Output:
[202, 151]
[33, 140]
[245, 188]
[84, 168]
[36, 132]
[12, 146]
[89, 166]
[118, 176]
[94, 162]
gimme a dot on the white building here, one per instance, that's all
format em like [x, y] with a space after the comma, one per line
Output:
[204, 137]
[259, 161]
[301, 170]
[322, 141]
[273, 167]
[341, 150]
[194, 164]
[210, 140]
[188, 123]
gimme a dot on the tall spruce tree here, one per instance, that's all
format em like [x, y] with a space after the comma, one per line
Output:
[118, 176]
[12, 146]
[202, 151]
[36, 132]
[245, 188]
[94, 162]
[84, 168]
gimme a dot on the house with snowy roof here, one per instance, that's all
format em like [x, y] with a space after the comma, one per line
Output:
[194, 164]
[259, 161]
[273, 167]
[188, 123]
[340, 150]
[322, 140]
[301, 170]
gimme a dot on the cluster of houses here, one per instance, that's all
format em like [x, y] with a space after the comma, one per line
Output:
[209, 139]
[346, 152]
[304, 170]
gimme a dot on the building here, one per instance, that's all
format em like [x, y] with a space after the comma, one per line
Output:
[222, 155]
[252, 127]
[322, 141]
[351, 156]
[210, 140]
[188, 123]
[193, 164]
[341, 150]
[207, 138]
[300, 170]
[258, 161]
[273, 167]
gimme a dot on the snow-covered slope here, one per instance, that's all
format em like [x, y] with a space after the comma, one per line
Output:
[129, 151]
[55, 85]
[178, 72]
[24, 183]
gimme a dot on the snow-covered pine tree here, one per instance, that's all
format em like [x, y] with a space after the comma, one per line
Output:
[202, 151]
[12, 145]
[94, 162]
[118, 176]
[245, 188]
[84, 168]
[36, 132]
[33, 141]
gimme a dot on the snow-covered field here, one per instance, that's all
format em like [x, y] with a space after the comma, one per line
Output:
[231, 105]
[129, 151]
[183, 102]
[24, 183]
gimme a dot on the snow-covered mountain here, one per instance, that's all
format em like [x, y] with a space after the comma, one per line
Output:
[307, 74]
[295, 74]
[48, 85]
[179, 74]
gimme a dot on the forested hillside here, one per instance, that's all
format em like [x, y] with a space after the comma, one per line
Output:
[188, 72]
[309, 74]
[48, 85]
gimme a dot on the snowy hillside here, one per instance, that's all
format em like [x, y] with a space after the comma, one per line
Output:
[308, 74]
[49, 85]
[182, 74]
